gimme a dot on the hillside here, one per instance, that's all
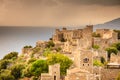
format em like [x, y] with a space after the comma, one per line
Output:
[113, 24]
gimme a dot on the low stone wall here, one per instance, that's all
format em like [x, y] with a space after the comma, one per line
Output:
[109, 74]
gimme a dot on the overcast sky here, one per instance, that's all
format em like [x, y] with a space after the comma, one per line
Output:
[57, 12]
[48, 13]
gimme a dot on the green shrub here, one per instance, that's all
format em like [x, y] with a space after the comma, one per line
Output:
[11, 55]
[46, 52]
[5, 75]
[116, 45]
[27, 46]
[96, 35]
[4, 64]
[95, 46]
[111, 50]
[50, 44]
[32, 60]
[97, 63]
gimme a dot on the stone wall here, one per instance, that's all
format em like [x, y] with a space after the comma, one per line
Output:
[106, 74]
[79, 74]
[115, 58]
[109, 74]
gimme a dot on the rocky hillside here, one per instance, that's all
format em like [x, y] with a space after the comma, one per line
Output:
[113, 24]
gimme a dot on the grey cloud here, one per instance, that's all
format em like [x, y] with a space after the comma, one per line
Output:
[73, 2]
[57, 2]
[92, 2]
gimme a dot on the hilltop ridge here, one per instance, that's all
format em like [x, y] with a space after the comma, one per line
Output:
[113, 24]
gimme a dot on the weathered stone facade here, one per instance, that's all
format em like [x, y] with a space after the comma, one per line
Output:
[83, 59]
[79, 74]
[109, 74]
[107, 37]
[72, 39]
[54, 73]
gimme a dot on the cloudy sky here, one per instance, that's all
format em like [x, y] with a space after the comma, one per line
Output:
[57, 12]
[48, 13]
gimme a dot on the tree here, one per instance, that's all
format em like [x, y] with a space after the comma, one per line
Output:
[5, 75]
[16, 70]
[50, 44]
[26, 71]
[111, 50]
[4, 64]
[38, 67]
[46, 52]
[11, 55]
[32, 60]
[64, 61]
[116, 45]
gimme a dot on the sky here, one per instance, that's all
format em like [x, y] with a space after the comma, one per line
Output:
[15, 38]
[47, 15]
[57, 12]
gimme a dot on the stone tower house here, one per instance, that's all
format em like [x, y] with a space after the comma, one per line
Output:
[83, 59]
[87, 36]
[83, 69]
[54, 73]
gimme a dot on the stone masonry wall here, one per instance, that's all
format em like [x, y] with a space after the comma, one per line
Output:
[109, 74]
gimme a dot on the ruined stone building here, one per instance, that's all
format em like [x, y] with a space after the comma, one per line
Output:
[107, 37]
[74, 38]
